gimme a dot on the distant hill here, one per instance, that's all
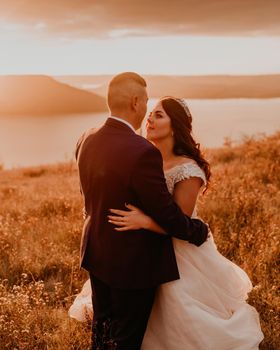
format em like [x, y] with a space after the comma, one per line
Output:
[41, 95]
[205, 87]
[200, 87]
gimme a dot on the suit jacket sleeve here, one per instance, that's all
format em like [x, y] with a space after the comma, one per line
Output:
[149, 184]
[78, 146]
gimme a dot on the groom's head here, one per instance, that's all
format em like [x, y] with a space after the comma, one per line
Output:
[127, 97]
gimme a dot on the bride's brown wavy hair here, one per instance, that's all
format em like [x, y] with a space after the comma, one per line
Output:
[181, 123]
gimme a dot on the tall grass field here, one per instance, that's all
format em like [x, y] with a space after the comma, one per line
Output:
[40, 229]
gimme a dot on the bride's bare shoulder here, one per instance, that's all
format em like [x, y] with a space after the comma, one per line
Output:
[179, 160]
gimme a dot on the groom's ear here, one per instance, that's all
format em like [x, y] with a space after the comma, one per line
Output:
[134, 102]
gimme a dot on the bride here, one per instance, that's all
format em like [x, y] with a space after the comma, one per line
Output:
[206, 308]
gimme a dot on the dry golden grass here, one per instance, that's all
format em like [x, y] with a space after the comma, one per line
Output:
[40, 226]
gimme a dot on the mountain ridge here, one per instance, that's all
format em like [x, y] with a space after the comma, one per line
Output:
[195, 87]
[43, 95]
[46, 95]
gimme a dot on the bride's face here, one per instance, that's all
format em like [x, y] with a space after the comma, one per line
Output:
[158, 124]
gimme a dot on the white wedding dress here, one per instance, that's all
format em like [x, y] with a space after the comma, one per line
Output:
[206, 308]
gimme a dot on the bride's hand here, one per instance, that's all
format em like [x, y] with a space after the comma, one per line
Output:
[133, 219]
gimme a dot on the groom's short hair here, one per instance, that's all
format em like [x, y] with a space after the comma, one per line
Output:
[121, 87]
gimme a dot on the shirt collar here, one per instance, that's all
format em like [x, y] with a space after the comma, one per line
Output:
[123, 121]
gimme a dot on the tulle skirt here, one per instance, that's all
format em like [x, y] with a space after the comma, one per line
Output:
[81, 309]
[206, 308]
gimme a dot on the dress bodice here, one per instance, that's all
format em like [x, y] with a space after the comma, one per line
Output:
[181, 172]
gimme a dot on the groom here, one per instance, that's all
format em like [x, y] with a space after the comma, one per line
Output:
[117, 166]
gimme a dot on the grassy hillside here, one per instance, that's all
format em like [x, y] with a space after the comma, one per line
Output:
[40, 227]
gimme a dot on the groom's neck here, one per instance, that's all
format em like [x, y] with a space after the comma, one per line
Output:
[126, 119]
[126, 116]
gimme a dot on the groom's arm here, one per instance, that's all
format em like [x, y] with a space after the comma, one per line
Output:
[149, 184]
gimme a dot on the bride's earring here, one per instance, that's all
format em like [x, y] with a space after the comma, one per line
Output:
[172, 133]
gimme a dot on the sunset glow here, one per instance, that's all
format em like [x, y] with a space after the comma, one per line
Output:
[28, 53]
[85, 38]
[206, 106]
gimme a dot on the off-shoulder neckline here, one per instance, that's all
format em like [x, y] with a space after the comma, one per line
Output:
[179, 165]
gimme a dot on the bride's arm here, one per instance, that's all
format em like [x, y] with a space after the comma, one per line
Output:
[185, 194]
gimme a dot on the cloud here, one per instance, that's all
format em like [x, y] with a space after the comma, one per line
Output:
[99, 18]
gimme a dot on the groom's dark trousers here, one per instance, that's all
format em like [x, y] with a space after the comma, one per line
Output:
[131, 309]
[117, 166]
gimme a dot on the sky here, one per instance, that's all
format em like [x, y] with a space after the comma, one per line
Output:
[181, 37]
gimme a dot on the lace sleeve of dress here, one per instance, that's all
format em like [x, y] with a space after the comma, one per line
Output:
[182, 172]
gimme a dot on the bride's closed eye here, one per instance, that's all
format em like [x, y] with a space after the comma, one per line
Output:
[159, 115]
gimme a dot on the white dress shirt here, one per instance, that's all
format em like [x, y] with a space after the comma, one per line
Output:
[123, 121]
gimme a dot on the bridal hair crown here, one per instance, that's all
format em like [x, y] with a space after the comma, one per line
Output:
[184, 105]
